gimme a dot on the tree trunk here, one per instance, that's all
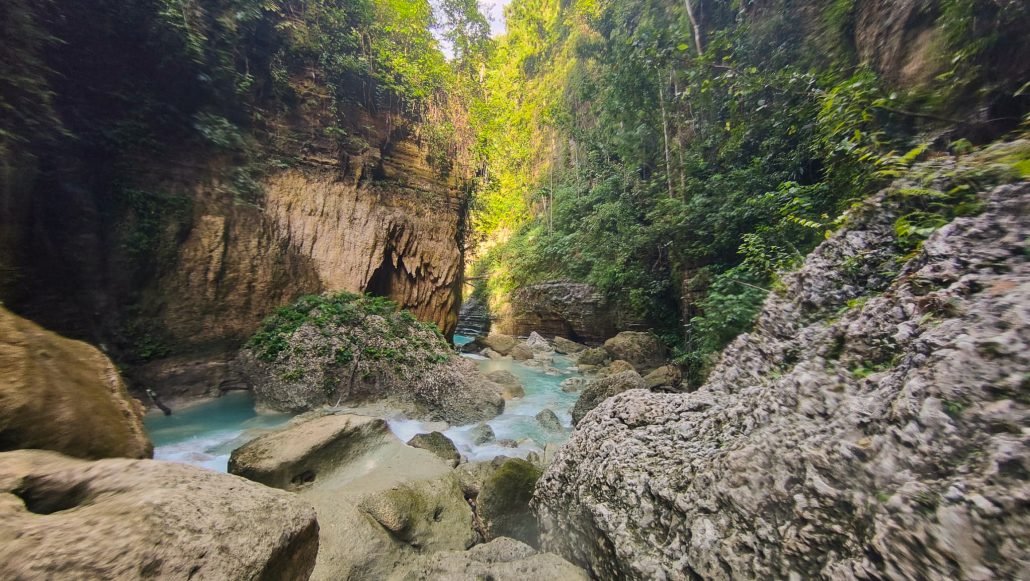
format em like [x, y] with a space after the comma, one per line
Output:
[697, 29]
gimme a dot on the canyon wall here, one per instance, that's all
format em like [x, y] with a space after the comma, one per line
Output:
[182, 278]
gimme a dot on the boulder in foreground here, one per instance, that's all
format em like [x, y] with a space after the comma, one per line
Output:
[64, 395]
[64, 518]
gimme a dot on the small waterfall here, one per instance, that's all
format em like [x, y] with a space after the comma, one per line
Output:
[473, 319]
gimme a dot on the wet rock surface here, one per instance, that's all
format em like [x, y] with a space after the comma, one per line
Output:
[304, 451]
[63, 518]
[438, 444]
[503, 501]
[866, 428]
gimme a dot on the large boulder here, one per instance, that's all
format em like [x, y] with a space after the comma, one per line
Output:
[567, 346]
[599, 390]
[64, 395]
[503, 501]
[665, 377]
[438, 444]
[510, 386]
[522, 352]
[345, 348]
[502, 344]
[379, 502]
[549, 421]
[64, 518]
[615, 367]
[502, 559]
[537, 343]
[643, 351]
[872, 426]
[594, 356]
[482, 434]
[297, 456]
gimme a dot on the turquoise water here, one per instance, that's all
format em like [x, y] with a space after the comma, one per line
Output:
[518, 422]
[206, 434]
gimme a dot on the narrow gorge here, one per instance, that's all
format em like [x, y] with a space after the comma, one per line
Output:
[497, 289]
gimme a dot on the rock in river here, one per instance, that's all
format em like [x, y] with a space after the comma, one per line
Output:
[345, 348]
[438, 444]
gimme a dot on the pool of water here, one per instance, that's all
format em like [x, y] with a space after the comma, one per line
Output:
[206, 434]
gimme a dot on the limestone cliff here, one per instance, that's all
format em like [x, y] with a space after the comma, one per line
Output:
[213, 267]
[167, 203]
[871, 426]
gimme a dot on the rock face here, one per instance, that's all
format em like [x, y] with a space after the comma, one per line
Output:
[62, 518]
[501, 559]
[572, 310]
[872, 425]
[601, 389]
[379, 220]
[64, 395]
[473, 318]
[641, 350]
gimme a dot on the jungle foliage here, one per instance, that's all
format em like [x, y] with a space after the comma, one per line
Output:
[624, 150]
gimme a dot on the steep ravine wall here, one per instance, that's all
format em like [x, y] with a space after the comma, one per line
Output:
[174, 284]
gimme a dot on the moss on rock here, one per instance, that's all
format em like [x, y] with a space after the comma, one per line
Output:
[503, 501]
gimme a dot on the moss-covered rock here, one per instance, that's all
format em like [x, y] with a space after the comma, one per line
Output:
[503, 502]
[347, 348]
[549, 421]
[509, 386]
[64, 395]
[438, 444]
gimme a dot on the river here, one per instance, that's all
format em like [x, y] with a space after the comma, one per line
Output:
[206, 434]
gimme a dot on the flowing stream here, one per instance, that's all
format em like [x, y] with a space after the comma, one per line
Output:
[207, 433]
